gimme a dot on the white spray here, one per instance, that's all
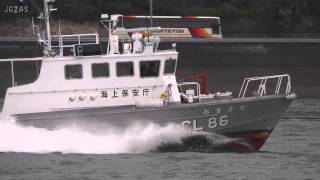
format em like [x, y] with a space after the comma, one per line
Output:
[135, 139]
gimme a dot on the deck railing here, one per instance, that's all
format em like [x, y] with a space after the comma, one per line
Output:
[74, 37]
[262, 85]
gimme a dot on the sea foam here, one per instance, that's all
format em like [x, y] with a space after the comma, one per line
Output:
[135, 139]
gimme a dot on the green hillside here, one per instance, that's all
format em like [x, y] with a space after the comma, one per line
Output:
[238, 16]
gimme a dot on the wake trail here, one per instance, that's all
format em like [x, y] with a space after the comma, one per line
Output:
[137, 138]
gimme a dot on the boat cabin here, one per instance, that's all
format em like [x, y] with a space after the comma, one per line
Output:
[137, 74]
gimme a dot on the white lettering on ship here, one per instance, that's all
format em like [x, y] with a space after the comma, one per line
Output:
[16, 9]
[212, 123]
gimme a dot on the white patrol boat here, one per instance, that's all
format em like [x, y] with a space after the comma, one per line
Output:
[136, 82]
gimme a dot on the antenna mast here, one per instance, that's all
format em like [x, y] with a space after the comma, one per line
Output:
[47, 20]
[46, 17]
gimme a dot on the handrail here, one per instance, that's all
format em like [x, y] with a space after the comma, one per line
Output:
[75, 35]
[263, 84]
[21, 59]
[78, 37]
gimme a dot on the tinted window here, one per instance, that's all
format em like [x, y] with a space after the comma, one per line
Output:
[100, 70]
[149, 68]
[73, 71]
[125, 69]
[170, 66]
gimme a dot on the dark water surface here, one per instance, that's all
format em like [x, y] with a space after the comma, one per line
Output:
[292, 152]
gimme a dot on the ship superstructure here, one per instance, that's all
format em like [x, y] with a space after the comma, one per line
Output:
[134, 81]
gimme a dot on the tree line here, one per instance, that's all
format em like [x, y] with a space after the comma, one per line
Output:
[237, 16]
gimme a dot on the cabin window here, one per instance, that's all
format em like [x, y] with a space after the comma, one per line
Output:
[149, 68]
[100, 70]
[170, 66]
[73, 71]
[125, 69]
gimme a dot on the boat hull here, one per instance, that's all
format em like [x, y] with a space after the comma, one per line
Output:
[249, 119]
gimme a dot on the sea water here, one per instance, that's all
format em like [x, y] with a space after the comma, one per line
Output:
[138, 138]
[292, 152]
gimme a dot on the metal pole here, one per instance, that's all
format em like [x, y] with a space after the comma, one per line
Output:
[12, 73]
[47, 19]
[151, 12]
[60, 40]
